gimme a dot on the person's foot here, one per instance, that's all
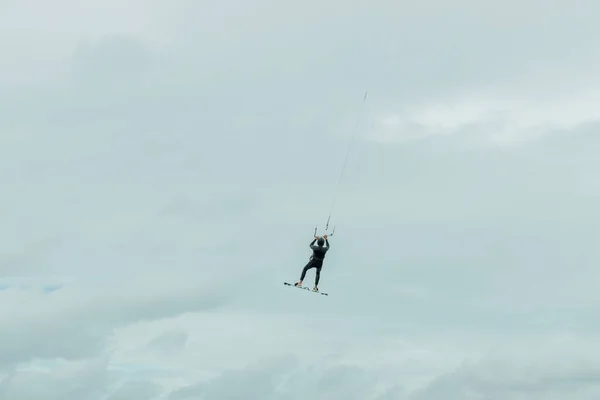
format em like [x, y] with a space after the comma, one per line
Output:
[316, 289]
[298, 284]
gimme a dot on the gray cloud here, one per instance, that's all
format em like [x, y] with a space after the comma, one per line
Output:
[165, 164]
[169, 342]
[512, 376]
[136, 391]
[518, 378]
[76, 322]
[81, 380]
[283, 378]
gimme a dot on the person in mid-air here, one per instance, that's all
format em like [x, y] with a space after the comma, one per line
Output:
[316, 260]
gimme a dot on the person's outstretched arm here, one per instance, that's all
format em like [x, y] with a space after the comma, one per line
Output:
[312, 244]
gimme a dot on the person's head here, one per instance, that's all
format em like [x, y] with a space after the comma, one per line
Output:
[321, 241]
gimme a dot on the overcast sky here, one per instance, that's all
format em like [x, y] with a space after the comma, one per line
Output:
[163, 165]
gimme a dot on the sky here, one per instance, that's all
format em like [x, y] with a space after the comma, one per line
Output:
[164, 164]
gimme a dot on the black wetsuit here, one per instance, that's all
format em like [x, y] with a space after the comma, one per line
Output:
[316, 260]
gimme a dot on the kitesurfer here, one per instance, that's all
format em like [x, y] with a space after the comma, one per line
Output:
[316, 260]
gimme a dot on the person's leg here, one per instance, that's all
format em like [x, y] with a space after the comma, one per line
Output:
[318, 265]
[308, 266]
[317, 278]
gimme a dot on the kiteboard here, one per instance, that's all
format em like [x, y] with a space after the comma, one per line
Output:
[305, 288]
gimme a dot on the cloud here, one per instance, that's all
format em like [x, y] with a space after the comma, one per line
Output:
[495, 116]
[86, 379]
[284, 378]
[80, 318]
[535, 368]
[552, 368]
[169, 343]
[136, 391]
[163, 167]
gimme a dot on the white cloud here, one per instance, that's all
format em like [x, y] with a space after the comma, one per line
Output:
[502, 117]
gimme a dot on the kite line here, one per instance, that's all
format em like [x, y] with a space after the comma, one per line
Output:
[339, 182]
